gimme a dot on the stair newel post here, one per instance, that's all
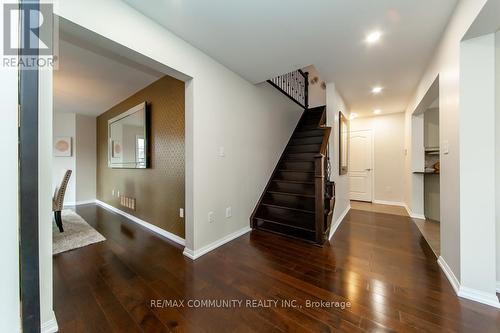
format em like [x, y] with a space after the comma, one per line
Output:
[319, 186]
[306, 90]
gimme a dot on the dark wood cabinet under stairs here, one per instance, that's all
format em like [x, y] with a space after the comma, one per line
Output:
[298, 200]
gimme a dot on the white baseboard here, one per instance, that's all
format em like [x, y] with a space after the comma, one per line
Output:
[78, 203]
[145, 224]
[413, 215]
[490, 299]
[449, 274]
[50, 326]
[337, 222]
[212, 246]
[390, 203]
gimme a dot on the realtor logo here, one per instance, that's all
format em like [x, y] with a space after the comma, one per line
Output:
[30, 35]
[30, 40]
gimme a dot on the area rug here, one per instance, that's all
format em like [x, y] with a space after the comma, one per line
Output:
[77, 233]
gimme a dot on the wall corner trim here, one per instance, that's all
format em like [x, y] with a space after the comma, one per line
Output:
[50, 326]
[413, 215]
[449, 274]
[143, 223]
[465, 292]
[337, 223]
[195, 254]
[479, 296]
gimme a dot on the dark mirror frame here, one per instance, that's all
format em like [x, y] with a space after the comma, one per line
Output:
[343, 142]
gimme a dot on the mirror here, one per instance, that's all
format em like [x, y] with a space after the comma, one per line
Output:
[128, 139]
[343, 144]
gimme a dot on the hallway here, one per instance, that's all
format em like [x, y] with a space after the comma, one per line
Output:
[378, 262]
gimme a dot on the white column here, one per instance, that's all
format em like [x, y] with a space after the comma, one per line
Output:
[477, 170]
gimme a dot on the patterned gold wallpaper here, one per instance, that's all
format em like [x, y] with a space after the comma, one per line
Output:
[159, 191]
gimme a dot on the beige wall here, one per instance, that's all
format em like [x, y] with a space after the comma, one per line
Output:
[85, 154]
[388, 155]
[159, 190]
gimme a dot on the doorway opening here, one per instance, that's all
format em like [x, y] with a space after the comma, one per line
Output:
[426, 165]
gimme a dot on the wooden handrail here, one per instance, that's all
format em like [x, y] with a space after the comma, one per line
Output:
[324, 143]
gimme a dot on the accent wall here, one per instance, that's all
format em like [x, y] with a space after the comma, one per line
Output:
[158, 190]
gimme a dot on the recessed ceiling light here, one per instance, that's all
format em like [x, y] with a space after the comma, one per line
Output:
[373, 37]
[377, 90]
[377, 111]
[353, 115]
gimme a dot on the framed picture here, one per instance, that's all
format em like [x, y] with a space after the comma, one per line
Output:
[116, 151]
[343, 144]
[62, 146]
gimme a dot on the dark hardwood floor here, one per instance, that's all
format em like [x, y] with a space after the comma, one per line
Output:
[378, 262]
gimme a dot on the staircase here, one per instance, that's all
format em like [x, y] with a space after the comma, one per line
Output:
[298, 200]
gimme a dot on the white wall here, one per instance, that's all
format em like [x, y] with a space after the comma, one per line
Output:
[64, 124]
[388, 155]
[9, 238]
[253, 123]
[445, 63]
[334, 104]
[497, 144]
[477, 165]
[317, 95]
[82, 130]
[85, 153]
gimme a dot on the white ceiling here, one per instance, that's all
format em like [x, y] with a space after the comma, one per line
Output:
[262, 38]
[91, 80]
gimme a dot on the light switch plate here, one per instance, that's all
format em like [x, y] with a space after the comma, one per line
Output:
[446, 147]
[229, 212]
[222, 153]
[181, 212]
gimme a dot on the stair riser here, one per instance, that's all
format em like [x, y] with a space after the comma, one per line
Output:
[314, 148]
[291, 201]
[303, 166]
[304, 220]
[285, 231]
[297, 176]
[292, 188]
[300, 156]
[310, 140]
[308, 133]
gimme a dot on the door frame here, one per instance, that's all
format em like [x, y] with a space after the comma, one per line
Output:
[372, 148]
[29, 263]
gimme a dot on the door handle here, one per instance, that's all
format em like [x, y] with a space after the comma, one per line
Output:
[368, 169]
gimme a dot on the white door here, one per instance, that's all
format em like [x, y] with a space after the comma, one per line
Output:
[360, 166]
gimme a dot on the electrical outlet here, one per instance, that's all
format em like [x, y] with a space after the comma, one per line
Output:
[222, 153]
[211, 217]
[228, 212]
[181, 212]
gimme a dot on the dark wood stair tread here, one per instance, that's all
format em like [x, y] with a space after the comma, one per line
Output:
[293, 181]
[286, 223]
[292, 194]
[287, 207]
[294, 170]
